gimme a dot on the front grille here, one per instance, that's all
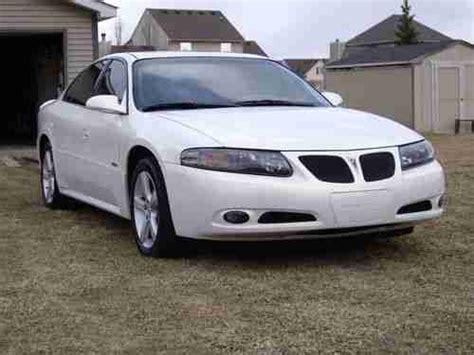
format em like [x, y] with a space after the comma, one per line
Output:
[377, 166]
[328, 168]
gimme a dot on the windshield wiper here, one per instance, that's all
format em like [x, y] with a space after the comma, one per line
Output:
[274, 103]
[183, 106]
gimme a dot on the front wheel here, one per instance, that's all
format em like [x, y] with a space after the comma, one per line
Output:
[151, 216]
[52, 198]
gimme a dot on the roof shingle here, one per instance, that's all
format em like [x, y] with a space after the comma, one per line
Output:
[196, 25]
[385, 32]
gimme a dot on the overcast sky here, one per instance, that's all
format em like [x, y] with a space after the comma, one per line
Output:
[304, 28]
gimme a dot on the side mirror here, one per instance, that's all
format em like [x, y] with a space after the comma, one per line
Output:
[334, 98]
[108, 103]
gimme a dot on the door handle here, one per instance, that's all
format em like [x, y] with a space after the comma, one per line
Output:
[86, 134]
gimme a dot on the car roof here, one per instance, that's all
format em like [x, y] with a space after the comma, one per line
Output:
[165, 54]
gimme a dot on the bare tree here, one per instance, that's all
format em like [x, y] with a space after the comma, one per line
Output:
[118, 30]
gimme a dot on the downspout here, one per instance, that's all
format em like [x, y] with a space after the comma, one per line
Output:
[95, 35]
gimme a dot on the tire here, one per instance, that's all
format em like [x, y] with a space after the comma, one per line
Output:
[50, 194]
[151, 217]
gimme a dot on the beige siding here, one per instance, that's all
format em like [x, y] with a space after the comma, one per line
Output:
[386, 91]
[149, 33]
[53, 16]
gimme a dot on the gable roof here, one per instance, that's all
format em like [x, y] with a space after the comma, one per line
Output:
[384, 32]
[390, 55]
[196, 25]
[301, 66]
[103, 9]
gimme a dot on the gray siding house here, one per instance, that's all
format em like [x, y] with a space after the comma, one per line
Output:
[426, 86]
[187, 30]
[45, 44]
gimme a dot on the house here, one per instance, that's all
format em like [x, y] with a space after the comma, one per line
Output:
[46, 44]
[426, 86]
[187, 30]
[252, 47]
[312, 70]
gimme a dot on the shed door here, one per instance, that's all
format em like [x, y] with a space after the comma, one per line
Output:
[468, 97]
[449, 98]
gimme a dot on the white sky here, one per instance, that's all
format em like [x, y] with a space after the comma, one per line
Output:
[304, 28]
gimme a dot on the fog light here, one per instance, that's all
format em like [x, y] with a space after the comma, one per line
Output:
[442, 201]
[236, 217]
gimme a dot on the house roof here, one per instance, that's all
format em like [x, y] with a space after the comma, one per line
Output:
[301, 66]
[105, 10]
[384, 32]
[389, 55]
[252, 47]
[196, 25]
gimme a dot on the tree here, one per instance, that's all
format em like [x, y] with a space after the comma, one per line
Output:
[118, 30]
[406, 31]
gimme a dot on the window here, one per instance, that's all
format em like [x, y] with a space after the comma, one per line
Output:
[318, 71]
[226, 47]
[114, 81]
[206, 81]
[82, 89]
[186, 46]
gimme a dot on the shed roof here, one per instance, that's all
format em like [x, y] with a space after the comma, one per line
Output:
[388, 55]
[385, 32]
[196, 25]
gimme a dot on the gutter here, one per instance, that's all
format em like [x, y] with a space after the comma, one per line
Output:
[104, 11]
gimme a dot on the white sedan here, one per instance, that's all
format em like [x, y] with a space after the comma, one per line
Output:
[230, 147]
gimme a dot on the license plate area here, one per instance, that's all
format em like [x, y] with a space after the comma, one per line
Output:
[361, 208]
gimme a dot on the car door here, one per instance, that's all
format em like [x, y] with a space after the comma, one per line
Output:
[70, 128]
[104, 137]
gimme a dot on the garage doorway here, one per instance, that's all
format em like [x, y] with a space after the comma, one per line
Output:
[32, 72]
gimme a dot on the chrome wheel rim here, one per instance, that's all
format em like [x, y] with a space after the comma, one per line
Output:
[49, 180]
[145, 208]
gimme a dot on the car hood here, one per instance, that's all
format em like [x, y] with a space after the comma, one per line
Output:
[295, 128]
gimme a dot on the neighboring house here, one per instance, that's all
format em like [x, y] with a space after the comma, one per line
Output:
[46, 44]
[425, 85]
[252, 47]
[312, 70]
[187, 30]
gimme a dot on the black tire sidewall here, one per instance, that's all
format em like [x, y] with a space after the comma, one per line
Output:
[166, 242]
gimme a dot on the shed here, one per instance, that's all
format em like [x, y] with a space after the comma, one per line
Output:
[426, 86]
[46, 43]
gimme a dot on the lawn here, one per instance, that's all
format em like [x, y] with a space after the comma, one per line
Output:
[72, 281]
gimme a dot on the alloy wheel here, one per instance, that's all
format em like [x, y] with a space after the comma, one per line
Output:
[48, 177]
[145, 207]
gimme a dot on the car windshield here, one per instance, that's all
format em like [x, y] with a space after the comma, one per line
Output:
[207, 82]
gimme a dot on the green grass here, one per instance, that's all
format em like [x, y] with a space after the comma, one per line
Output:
[73, 281]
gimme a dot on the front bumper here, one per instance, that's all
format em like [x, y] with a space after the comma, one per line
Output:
[200, 198]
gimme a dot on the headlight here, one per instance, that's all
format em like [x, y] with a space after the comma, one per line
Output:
[237, 161]
[416, 154]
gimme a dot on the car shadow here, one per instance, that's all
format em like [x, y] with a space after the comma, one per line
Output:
[357, 251]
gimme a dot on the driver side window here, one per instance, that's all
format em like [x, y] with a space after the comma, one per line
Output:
[82, 89]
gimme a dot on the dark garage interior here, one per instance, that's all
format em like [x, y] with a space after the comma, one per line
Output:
[32, 72]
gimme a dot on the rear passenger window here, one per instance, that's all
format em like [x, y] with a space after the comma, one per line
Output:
[82, 89]
[114, 81]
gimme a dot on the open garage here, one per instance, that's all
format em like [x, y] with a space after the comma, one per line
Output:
[45, 44]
